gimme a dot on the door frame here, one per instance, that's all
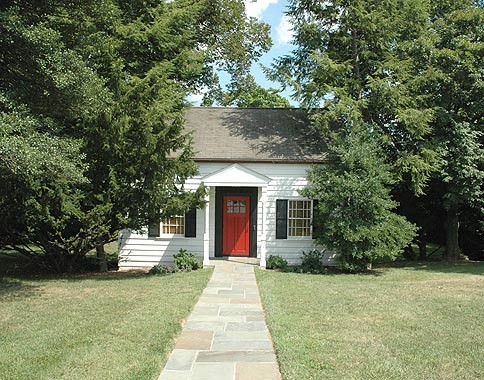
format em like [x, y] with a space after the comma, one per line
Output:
[220, 193]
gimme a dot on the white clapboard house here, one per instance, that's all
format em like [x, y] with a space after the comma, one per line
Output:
[253, 162]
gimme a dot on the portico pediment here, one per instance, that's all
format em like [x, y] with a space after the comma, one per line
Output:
[236, 175]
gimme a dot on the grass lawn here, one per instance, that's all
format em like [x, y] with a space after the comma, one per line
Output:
[412, 322]
[93, 327]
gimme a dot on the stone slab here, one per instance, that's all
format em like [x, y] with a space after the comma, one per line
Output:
[257, 371]
[242, 345]
[267, 356]
[213, 371]
[181, 360]
[195, 340]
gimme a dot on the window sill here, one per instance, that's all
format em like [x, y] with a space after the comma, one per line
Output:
[299, 238]
[169, 237]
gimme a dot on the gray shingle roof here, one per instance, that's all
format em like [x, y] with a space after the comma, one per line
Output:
[253, 134]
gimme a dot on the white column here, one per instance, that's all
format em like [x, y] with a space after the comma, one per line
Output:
[264, 227]
[206, 234]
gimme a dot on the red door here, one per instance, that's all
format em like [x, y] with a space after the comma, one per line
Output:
[236, 226]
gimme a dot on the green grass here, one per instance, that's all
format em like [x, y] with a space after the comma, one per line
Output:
[111, 326]
[412, 322]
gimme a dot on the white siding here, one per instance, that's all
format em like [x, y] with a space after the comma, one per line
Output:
[137, 250]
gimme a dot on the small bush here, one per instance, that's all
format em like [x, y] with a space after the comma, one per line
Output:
[276, 262]
[313, 262]
[163, 269]
[186, 261]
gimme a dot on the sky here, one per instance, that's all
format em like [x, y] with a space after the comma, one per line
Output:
[271, 12]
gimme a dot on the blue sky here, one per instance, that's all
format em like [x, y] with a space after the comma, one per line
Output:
[272, 12]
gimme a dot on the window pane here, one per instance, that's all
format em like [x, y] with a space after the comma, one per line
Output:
[299, 218]
[174, 225]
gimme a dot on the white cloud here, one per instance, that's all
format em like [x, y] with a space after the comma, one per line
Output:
[255, 8]
[284, 31]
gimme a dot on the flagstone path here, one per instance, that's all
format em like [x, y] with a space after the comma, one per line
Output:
[225, 337]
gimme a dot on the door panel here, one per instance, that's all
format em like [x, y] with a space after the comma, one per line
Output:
[236, 225]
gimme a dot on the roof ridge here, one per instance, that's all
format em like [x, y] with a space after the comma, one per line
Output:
[247, 108]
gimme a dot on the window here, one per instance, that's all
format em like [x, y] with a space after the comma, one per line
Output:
[177, 225]
[299, 218]
[294, 218]
[236, 207]
[173, 226]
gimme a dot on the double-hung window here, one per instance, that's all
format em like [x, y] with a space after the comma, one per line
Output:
[299, 218]
[173, 226]
[179, 225]
[294, 218]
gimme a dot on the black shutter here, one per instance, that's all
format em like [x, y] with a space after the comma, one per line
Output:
[154, 230]
[316, 222]
[191, 223]
[281, 219]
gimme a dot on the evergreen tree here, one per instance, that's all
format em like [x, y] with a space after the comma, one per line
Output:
[355, 69]
[354, 202]
[108, 81]
[354, 61]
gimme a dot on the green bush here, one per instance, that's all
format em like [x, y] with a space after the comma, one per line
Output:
[186, 261]
[163, 269]
[276, 262]
[313, 262]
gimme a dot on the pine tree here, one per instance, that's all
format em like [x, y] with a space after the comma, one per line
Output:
[355, 69]
[108, 80]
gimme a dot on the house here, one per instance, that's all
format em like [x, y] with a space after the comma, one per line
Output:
[253, 162]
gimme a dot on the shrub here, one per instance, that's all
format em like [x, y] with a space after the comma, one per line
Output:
[163, 269]
[276, 262]
[356, 212]
[313, 262]
[186, 261]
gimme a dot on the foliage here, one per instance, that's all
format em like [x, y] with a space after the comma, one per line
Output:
[186, 261]
[92, 99]
[276, 262]
[163, 269]
[312, 262]
[245, 92]
[416, 83]
[355, 207]
[351, 66]
[457, 97]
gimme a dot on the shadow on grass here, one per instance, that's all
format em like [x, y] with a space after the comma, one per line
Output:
[464, 267]
[15, 288]
[330, 272]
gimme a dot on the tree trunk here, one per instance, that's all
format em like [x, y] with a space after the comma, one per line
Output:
[422, 246]
[356, 64]
[452, 233]
[101, 256]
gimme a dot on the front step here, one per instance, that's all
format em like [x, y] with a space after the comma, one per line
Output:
[237, 259]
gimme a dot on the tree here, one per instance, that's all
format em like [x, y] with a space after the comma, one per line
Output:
[354, 202]
[356, 71]
[244, 92]
[351, 62]
[110, 79]
[458, 98]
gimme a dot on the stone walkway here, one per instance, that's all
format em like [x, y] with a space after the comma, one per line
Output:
[225, 337]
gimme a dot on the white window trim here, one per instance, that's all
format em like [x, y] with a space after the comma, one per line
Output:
[310, 237]
[170, 236]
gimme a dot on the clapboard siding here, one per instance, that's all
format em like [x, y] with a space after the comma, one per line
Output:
[136, 249]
